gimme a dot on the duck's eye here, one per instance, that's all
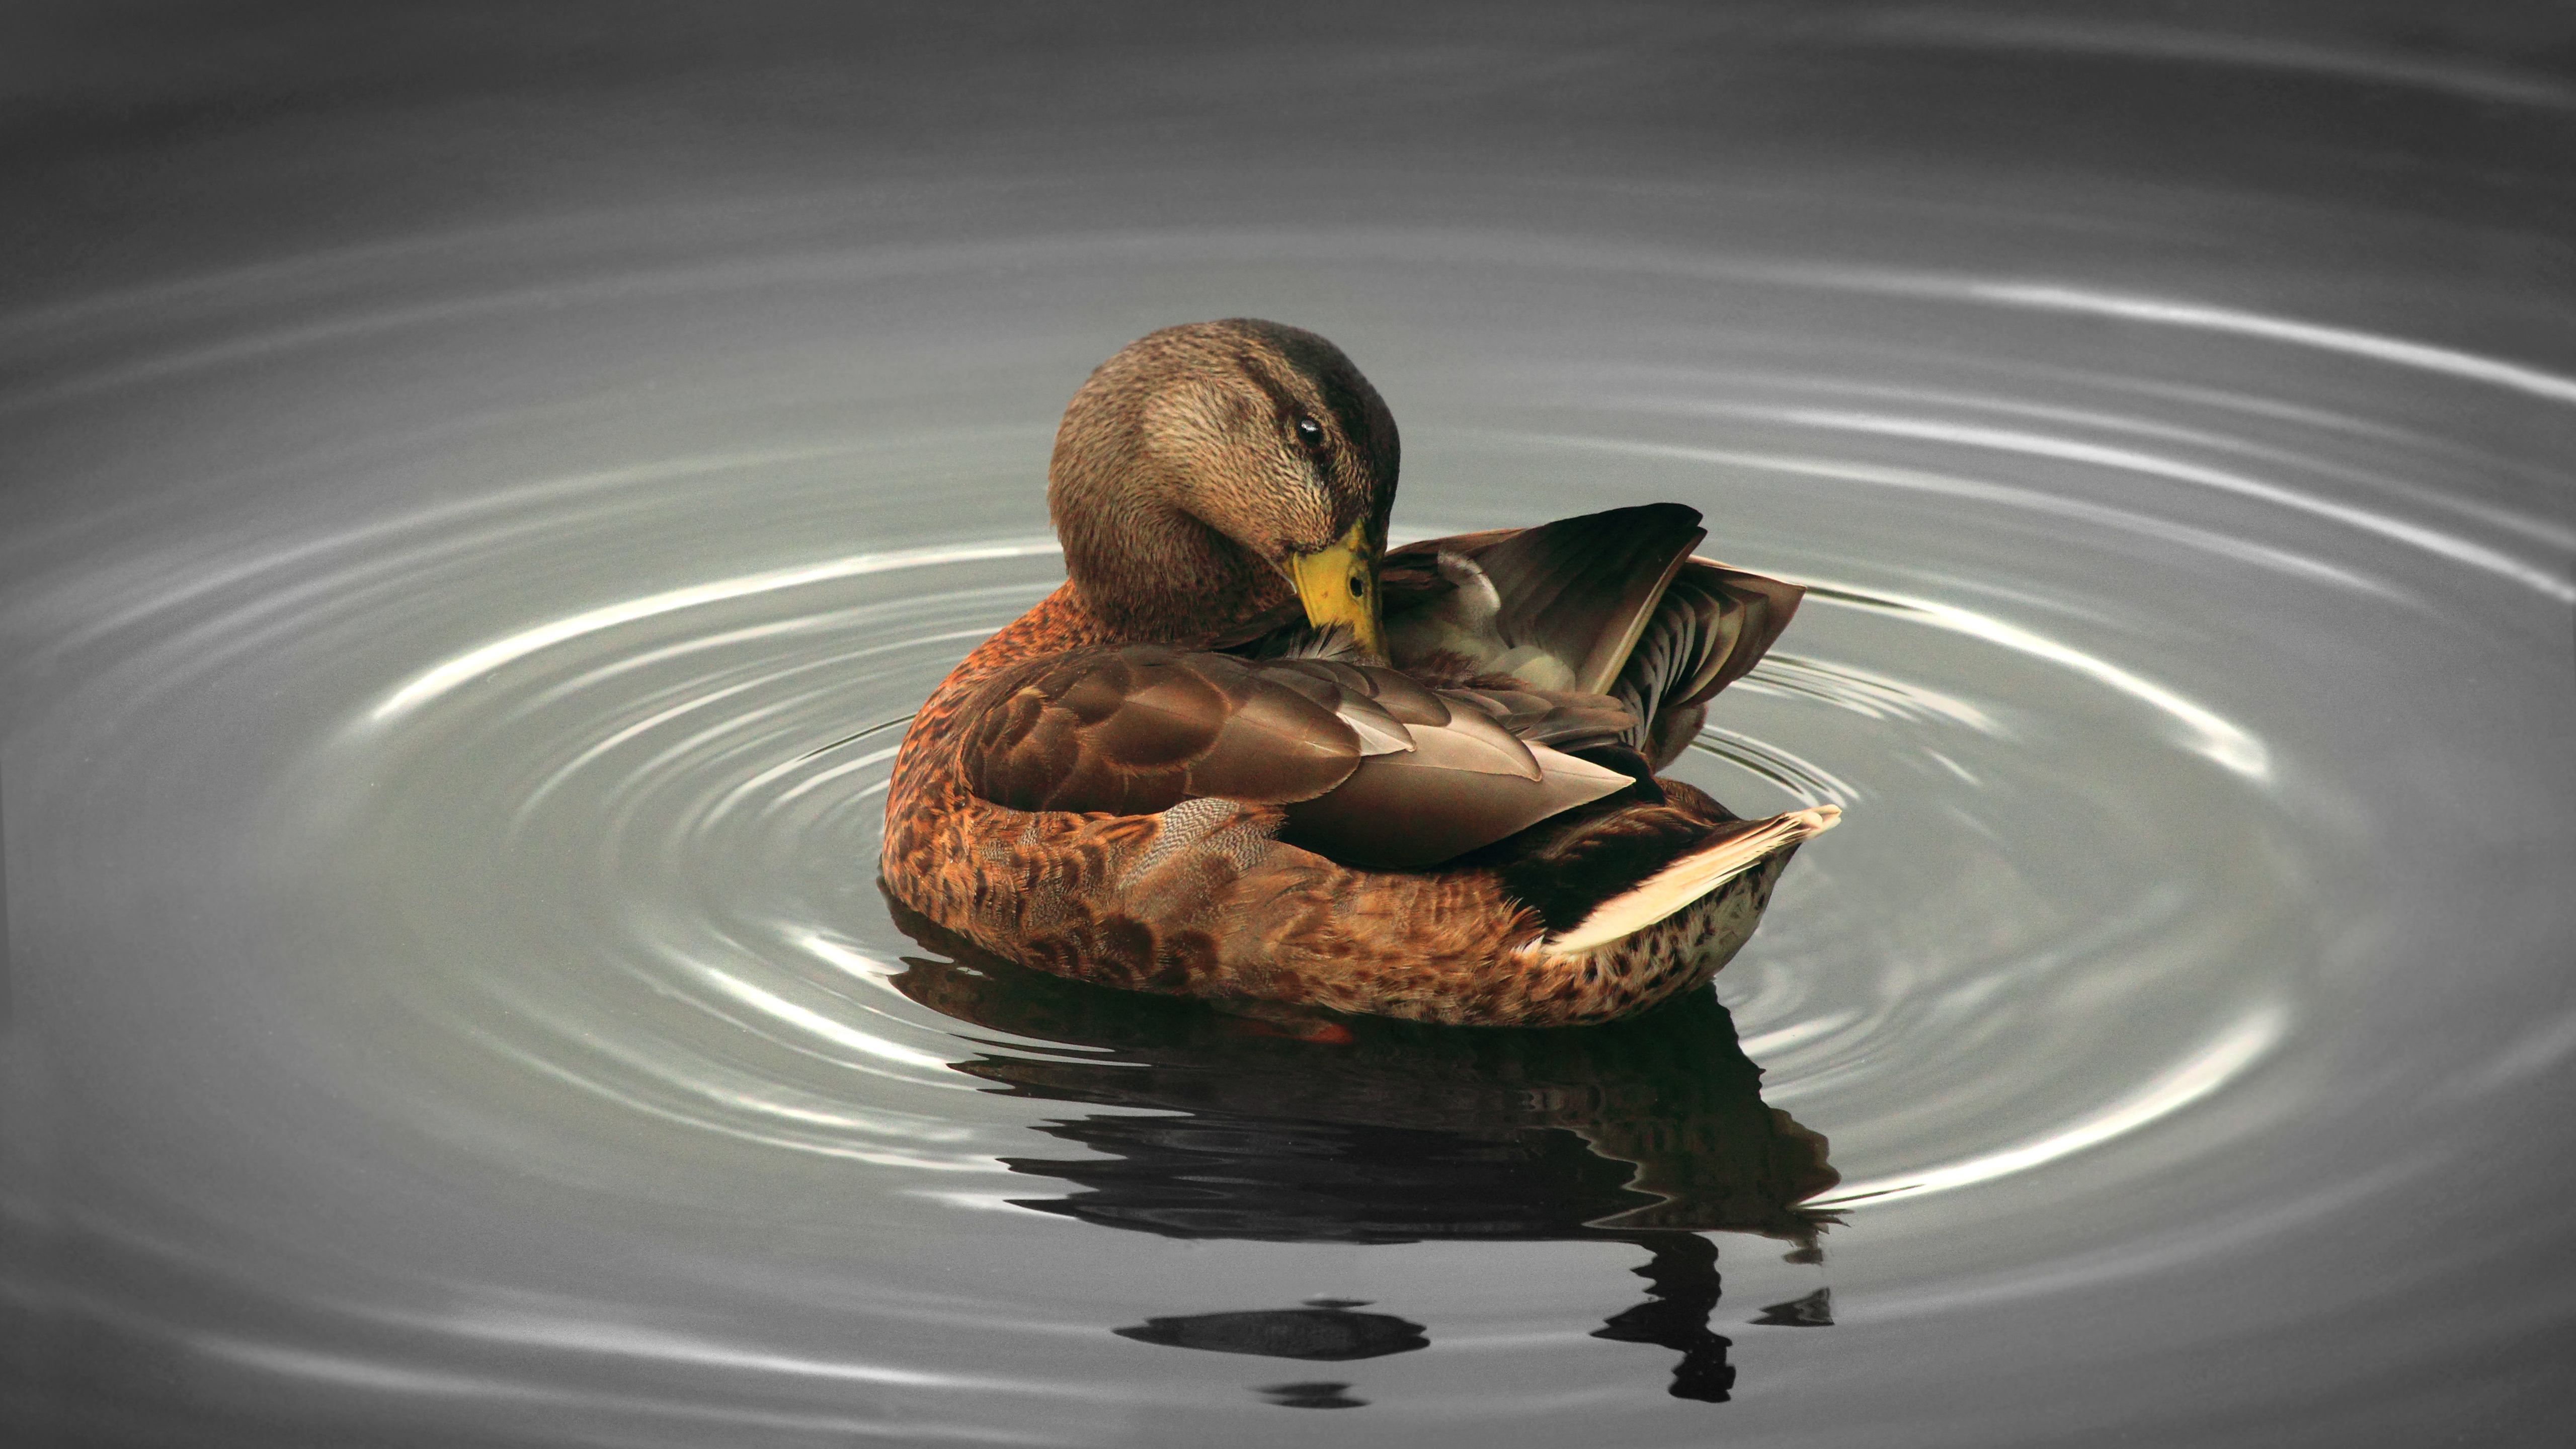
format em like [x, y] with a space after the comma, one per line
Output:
[1310, 432]
[1359, 587]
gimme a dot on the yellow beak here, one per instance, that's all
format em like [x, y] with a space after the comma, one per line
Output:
[1338, 585]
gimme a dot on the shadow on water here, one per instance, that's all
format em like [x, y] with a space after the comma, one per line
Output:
[1285, 1127]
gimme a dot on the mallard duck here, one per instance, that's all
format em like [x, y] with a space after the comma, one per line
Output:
[1247, 753]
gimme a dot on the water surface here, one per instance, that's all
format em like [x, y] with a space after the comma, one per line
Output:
[473, 541]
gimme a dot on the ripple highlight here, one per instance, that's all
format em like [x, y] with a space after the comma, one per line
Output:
[2215, 1065]
[449, 674]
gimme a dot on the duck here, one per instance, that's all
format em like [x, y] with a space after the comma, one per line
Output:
[1246, 752]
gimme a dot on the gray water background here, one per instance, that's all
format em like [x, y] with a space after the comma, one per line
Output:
[467, 470]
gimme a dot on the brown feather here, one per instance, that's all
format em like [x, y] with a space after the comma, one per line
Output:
[1579, 590]
[1141, 728]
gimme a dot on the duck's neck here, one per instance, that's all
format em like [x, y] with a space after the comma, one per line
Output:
[1151, 574]
[1057, 623]
[1063, 620]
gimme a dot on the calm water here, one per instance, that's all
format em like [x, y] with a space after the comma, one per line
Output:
[474, 533]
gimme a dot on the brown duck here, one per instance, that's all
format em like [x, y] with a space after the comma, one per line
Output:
[1246, 753]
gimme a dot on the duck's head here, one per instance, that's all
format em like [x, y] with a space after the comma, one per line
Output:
[1207, 471]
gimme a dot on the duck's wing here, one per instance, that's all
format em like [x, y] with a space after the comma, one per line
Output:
[1560, 605]
[1608, 603]
[1377, 770]
[1712, 625]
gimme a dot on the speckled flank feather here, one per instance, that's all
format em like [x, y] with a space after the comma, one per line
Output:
[1677, 953]
[1689, 878]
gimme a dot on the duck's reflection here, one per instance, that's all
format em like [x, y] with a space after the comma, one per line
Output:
[1649, 1131]
[1324, 1329]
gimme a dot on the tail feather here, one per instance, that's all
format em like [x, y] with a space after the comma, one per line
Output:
[1691, 877]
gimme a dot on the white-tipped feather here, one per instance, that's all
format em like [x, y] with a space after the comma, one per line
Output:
[1689, 878]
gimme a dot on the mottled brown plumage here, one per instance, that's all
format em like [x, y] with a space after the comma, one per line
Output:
[1244, 753]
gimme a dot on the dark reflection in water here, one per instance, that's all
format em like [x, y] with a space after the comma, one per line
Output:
[1326, 1332]
[1682, 1287]
[1295, 1128]
[1815, 1310]
[1318, 1395]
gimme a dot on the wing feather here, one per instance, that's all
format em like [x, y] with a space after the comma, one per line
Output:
[1376, 771]
[1605, 604]
[1138, 729]
[1559, 606]
[1712, 625]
